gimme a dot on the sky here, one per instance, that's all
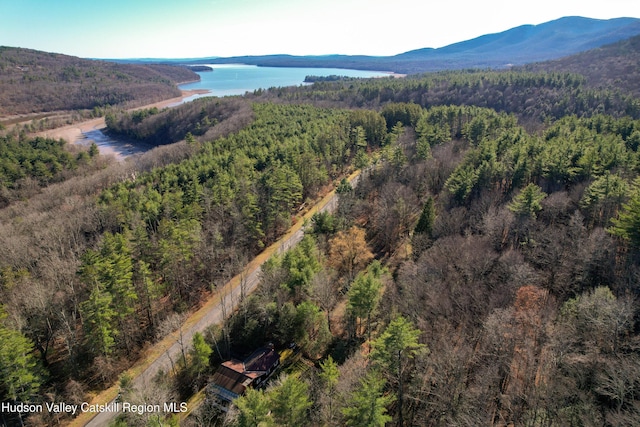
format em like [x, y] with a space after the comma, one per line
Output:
[202, 28]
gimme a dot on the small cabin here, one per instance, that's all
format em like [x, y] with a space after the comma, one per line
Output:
[234, 376]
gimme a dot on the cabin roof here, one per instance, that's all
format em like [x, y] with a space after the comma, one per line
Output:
[229, 379]
[235, 376]
[262, 359]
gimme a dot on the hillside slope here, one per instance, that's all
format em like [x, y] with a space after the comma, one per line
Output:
[34, 81]
[528, 43]
[615, 66]
[517, 46]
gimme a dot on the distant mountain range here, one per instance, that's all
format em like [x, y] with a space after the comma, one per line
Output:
[606, 52]
[517, 46]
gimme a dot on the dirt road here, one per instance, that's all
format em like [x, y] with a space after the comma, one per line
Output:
[164, 354]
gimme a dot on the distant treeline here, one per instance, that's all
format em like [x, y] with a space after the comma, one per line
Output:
[330, 78]
[198, 68]
[534, 97]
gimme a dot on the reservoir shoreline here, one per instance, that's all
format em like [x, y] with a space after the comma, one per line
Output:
[225, 80]
[90, 130]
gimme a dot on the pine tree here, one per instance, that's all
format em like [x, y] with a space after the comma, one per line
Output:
[151, 289]
[392, 350]
[116, 271]
[301, 264]
[312, 329]
[329, 374]
[98, 316]
[199, 353]
[603, 197]
[344, 187]
[527, 203]
[254, 409]
[109, 275]
[363, 297]
[427, 218]
[20, 374]
[627, 225]
[282, 191]
[290, 401]
[176, 245]
[93, 150]
[368, 405]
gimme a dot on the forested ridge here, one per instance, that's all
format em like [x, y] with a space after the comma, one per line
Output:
[34, 82]
[603, 80]
[612, 66]
[484, 271]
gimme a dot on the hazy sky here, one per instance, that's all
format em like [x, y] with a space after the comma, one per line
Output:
[197, 28]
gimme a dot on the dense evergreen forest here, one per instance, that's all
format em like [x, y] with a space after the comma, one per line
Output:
[27, 165]
[484, 271]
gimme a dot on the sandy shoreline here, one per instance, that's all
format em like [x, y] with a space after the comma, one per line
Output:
[74, 132]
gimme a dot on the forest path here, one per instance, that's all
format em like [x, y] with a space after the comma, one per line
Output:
[164, 354]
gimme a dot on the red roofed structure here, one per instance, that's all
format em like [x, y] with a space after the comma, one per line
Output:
[233, 377]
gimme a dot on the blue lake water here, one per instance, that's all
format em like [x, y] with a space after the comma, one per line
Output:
[226, 80]
[236, 79]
